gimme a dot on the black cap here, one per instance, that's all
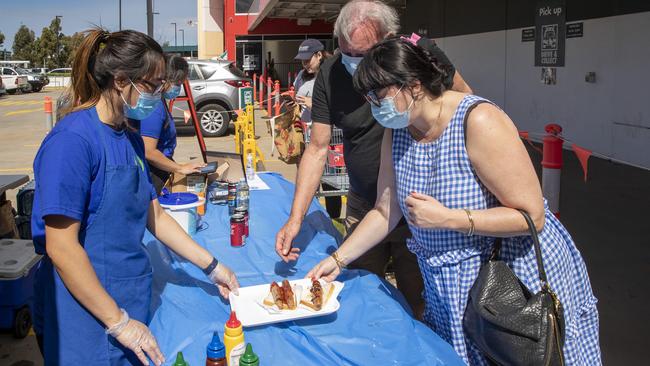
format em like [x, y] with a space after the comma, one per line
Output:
[307, 49]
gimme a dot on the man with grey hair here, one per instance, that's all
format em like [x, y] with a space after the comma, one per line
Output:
[360, 25]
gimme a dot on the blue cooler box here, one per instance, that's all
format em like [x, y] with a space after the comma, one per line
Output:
[18, 263]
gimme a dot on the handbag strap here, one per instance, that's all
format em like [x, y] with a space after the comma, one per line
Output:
[538, 251]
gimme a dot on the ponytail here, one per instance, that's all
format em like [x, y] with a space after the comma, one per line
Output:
[102, 57]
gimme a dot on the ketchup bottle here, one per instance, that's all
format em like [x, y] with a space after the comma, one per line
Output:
[216, 352]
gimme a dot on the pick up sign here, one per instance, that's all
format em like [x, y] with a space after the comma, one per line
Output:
[550, 29]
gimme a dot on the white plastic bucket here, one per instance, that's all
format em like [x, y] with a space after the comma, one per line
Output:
[185, 215]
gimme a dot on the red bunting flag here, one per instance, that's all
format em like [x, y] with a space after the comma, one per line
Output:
[187, 115]
[583, 155]
[524, 135]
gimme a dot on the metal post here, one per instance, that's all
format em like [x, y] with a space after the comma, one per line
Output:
[150, 18]
[183, 36]
[58, 51]
[175, 38]
[120, 14]
[269, 91]
[254, 87]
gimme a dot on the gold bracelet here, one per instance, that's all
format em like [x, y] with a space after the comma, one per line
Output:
[471, 222]
[338, 261]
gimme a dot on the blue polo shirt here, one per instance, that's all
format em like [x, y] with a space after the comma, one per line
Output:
[69, 169]
[160, 125]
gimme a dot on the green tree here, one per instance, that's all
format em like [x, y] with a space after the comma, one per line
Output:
[49, 46]
[2, 39]
[24, 44]
[70, 46]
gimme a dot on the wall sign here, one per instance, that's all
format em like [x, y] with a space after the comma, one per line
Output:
[550, 30]
[528, 35]
[574, 30]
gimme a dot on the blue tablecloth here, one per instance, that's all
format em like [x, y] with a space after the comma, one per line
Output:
[372, 326]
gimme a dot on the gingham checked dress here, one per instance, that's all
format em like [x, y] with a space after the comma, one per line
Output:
[450, 261]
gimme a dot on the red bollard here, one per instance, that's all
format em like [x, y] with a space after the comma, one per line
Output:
[254, 87]
[552, 167]
[49, 119]
[276, 92]
[269, 91]
[261, 93]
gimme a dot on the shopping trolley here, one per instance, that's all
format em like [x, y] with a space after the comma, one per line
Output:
[334, 181]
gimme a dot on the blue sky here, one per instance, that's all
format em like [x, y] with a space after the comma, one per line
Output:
[79, 15]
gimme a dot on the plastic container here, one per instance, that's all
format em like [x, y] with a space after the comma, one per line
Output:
[233, 339]
[215, 352]
[249, 358]
[182, 206]
[180, 360]
[18, 264]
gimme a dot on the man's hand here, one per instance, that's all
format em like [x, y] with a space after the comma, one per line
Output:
[284, 240]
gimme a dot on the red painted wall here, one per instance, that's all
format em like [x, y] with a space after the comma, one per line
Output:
[237, 25]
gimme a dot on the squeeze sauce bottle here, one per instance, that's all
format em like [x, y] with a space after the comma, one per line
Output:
[233, 338]
[216, 353]
[180, 361]
[249, 358]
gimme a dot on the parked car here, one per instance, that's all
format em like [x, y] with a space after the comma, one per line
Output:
[3, 91]
[36, 80]
[13, 81]
[61, 70]
[215, 90]
[40, 70]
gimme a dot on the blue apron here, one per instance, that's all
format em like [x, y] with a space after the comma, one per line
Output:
[113, 242]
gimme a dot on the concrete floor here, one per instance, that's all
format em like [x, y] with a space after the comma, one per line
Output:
[607, 216]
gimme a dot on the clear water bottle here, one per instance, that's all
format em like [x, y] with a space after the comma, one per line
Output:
[243, 194]
[250, 170]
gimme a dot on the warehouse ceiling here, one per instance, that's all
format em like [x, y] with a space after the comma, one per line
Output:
[304, 10]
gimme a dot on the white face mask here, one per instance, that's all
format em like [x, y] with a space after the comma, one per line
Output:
[350, 63]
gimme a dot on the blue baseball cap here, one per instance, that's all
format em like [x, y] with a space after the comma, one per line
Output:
[307, 49]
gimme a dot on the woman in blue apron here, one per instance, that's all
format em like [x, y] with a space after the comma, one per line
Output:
[159, 133]
[93, 201]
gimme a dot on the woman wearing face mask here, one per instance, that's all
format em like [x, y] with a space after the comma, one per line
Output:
[159, 133]
[453, 165]
[93, 201]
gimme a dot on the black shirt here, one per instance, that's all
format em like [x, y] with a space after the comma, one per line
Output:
[336, 102]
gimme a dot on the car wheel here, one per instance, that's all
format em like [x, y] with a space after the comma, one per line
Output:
[214, 120]
[36, 90]
[22, 323]
[12, 91]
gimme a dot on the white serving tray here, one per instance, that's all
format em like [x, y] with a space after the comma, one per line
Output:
[251, 312]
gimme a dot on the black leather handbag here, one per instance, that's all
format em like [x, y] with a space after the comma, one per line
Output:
[509, 324]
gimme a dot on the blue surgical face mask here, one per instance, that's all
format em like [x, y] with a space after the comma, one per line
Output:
[146, 104]
[387, 114]
[350, 63]
[173, 92]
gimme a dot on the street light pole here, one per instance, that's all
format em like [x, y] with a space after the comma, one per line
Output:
[150, 18]
[175, 38]
[58, 32]
[120, 13]
[183, 36]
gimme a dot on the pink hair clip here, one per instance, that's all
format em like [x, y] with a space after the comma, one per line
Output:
[413, 39]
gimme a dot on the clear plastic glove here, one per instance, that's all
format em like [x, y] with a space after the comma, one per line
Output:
[138, 338]
[225, 280]
[327, 269]
[190, 168]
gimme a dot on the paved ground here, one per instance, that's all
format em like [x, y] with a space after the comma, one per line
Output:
[607, 215]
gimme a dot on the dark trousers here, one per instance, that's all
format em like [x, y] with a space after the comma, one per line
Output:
[405, 264]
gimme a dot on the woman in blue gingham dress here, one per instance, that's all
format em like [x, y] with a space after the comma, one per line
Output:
[458, 178]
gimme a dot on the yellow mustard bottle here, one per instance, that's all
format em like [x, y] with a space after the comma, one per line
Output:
[233, 339]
